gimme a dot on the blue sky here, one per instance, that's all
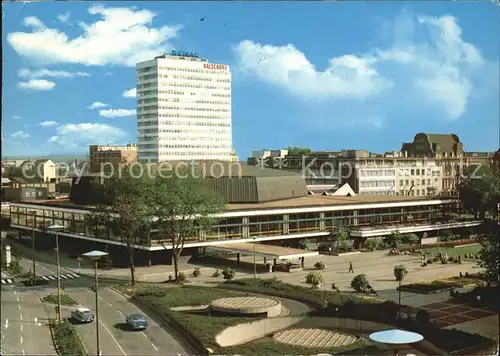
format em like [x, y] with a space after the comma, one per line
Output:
[322, 75]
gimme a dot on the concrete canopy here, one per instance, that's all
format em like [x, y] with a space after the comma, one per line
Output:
[268, 251]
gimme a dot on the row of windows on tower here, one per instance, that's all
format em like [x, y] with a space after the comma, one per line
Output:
[183, 123]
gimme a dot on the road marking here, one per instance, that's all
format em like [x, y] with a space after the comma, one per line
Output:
[45, 278]
[52, 277]
[111, 334]
[17, 299]
[120, 313]
[9, 281]
[63, 276]
[21, 339]
[19, 306]
[15, 292]
[6, 323]
[23, 352]
[21, 316]
[155, 347]
[21, 327]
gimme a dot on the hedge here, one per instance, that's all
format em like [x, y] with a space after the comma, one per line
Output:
[66, 339]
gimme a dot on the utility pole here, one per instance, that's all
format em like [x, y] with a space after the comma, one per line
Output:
[33, 213]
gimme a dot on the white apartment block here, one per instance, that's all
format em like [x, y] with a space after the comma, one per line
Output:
[183, 109]
[417, 177]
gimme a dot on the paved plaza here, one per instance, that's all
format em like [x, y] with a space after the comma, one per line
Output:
[454, 312]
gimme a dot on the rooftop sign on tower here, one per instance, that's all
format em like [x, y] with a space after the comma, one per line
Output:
[184, 54]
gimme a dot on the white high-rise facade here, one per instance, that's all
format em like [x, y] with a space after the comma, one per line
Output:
[183, 109]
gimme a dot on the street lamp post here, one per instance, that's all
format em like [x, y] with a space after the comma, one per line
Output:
[254, 261]
[96, 256]
[55, 229]
[33, 213]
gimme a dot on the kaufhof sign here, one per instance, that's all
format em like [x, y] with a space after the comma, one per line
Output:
[215, 66]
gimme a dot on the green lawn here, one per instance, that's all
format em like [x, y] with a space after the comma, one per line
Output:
[455, 251]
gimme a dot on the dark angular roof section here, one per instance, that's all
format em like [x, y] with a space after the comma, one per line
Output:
[447, 142]
[235, 182]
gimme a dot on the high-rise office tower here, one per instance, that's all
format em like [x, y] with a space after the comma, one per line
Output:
[183, 109]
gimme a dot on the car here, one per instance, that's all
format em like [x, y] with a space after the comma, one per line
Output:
[82, 315]
[137, 321]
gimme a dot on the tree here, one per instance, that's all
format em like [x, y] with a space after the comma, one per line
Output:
[400, 273]
[127, 210]
[489, 259]
[314, 279]
[394, 239]
[184, 207]
[432, 191]
[412, 238]
[479, 190]
[294, 150]
[338, 235]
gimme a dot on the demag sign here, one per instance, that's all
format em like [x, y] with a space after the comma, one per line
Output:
[184, 54]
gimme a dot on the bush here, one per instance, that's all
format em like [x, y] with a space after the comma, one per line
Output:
[360, 283]
[216, 274]
[228, 274]
[371, 244]
[196, 272]
[66, 339]
[430, 261]
[314, 278]
[423, 317]
[181, 277]
[444, 262]
[320, 265]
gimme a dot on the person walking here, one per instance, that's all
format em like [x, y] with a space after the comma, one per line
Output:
[351, 270]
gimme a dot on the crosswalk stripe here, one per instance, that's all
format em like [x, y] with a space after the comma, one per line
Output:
[63, 276]
[51, 277]
[3, 281]
[9, 281]
[45, 278]
[75, 275]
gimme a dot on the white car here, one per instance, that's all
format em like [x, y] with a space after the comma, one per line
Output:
[82, 315]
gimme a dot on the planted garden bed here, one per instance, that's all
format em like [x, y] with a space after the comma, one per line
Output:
[66, 339]
[65, 299]
[427, 288]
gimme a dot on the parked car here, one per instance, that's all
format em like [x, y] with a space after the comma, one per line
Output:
[137, 321]
[82, 315]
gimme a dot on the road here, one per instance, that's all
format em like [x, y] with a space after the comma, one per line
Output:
[25, 329]
[115, 337]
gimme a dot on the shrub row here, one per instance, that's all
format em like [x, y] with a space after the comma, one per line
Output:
[453, 243]
[427, 287]
[66, 339]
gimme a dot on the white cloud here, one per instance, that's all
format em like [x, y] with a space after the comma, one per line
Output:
[27, 73]
[96, 105]
[48, 123]
[20, 134]
[37, 84]
[63, 17]
[16, 117]
[77, 136]
[437, 68]
[345, 76]
[129, 30]
[131, 93]
[111, 113]
[441, 67]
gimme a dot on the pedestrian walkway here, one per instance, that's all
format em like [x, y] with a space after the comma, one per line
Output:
[8, 281]
[63, 276]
